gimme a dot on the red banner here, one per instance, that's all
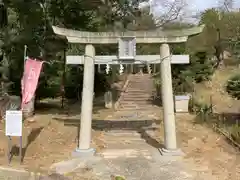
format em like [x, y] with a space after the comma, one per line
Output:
[30, 78]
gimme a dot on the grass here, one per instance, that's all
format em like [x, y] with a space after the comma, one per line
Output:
[215, 107]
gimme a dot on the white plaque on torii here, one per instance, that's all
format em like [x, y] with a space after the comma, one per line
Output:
[126, 48]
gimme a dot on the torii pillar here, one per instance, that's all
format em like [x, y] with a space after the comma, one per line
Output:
[146, 37]
[170, 139]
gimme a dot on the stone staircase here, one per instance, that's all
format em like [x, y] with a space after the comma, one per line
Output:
[138, 94]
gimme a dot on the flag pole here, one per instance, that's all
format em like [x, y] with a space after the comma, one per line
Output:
[20, 138]
[25, 53]
[24, 62]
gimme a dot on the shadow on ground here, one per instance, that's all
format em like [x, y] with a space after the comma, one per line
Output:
[70, 107]
[156, 100]
[140, 126]
[15, 150]
[54, 176]
[107, 125]
[150, 140]
[227, 119]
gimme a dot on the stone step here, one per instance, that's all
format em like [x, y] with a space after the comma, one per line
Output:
[126, 145]
[132, 94]
[138, 91]
[133, 108]
[139, 84]
[139, 78]
[139, 98]
[118, 139]
[134, 104]
[131, 133]
[136, 107]
[125, 153]
[122, 132]
[121, 140]
[140, 88]
[136, 100]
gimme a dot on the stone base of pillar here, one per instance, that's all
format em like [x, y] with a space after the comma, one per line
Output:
[83, 152]
[167, 152]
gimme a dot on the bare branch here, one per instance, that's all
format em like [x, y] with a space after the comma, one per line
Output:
[226, 5]
[172, 11]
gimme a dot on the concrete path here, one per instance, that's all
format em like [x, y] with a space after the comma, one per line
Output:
[132, 153]
[13, 174]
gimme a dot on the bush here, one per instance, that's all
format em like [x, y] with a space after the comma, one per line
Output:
[235, 132]
[200, 69]
[199, 107]
[233, 86]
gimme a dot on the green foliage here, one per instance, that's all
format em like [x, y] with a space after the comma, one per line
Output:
[235, 133]
[202, 110]
[233, 86]
[184, 76]
[29, 23]
[119, 178]
[200, 69]
[222, 28]
[199, 107]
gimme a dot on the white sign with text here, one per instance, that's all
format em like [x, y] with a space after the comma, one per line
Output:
[13, 124]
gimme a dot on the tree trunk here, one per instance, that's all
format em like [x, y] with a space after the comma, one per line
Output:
[28, 109]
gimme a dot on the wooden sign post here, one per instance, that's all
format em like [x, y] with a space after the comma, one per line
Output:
[13, 128]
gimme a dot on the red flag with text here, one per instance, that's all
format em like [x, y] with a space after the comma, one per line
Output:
[30, 78]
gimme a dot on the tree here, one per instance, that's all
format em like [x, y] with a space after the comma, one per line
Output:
[233, 86]
[29, 23]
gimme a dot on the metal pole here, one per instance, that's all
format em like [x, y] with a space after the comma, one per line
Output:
[20, 138]
[63, 78]
[25, 55]
[9, 149]
[20, 150]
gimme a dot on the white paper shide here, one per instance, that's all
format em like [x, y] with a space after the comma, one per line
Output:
[13, 125]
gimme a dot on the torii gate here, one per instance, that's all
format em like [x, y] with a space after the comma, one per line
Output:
[146, 37]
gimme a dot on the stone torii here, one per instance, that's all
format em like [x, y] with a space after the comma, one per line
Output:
[146, 37]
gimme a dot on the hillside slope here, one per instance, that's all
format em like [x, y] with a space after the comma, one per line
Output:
[222, 102]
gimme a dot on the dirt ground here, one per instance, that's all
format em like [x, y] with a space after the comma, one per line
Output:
[211, 152]
[205, 150]
[49, 139]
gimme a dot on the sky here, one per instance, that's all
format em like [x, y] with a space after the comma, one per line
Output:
[197, 6]
[200, 5]
[193, 7]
